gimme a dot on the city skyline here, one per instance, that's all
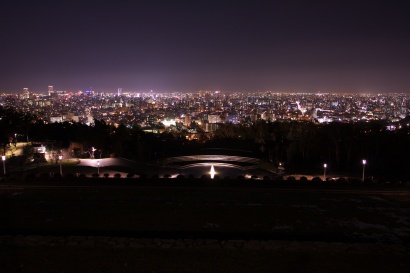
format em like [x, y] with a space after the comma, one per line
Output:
[284, 46]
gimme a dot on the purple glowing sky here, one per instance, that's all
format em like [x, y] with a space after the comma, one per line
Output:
[176, 45]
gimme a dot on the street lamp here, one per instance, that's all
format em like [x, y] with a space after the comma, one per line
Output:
[3, 157]
[98, 167]
[324, 171]
[364, 164]
[93, 150]
[60, 157]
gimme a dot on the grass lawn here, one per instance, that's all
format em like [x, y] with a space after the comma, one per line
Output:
[211, 212]
[216, 213]
[101, 260]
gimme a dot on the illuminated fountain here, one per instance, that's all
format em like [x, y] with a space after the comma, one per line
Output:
[200, 165]
[212, 172]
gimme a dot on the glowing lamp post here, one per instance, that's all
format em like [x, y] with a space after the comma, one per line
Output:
[98, 167]
[60, 157]
[324, 171]
[212, 172]
[3, 157]
[364, 165]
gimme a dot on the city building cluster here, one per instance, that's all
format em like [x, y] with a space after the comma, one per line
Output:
[206, 110]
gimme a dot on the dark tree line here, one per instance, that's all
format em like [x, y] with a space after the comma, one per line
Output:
[121, 141]
[304, 146]
[301, 146]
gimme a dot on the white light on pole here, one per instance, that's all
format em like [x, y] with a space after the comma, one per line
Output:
[324, 171]
[98, 167]
[60, 157]
[364, 164]
[3, 157]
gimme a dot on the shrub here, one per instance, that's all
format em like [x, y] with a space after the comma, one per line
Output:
[106, 175]
[70, 175]
[31, 176]
[303, 179]
[180, 176]
[341, 180]
[130, 175]
[369, 180]
[317, 179]
[381, 181]
[117, 175]
[167, 176]
[143, 176]
[291, 178]
[95, 175]
[44, 175]
[354, 181]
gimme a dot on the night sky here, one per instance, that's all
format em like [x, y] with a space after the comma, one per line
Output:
[302, 46]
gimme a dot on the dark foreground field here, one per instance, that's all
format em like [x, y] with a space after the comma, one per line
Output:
[202, 229]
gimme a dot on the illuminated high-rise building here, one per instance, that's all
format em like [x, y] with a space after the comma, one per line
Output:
[119, 92]
[50, 90]
[26, 93]
[187, 121]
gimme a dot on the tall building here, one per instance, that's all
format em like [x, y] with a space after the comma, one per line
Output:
[214, 118]
[187, 120]
[50, 90]
[119, 92]
[26, 93]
